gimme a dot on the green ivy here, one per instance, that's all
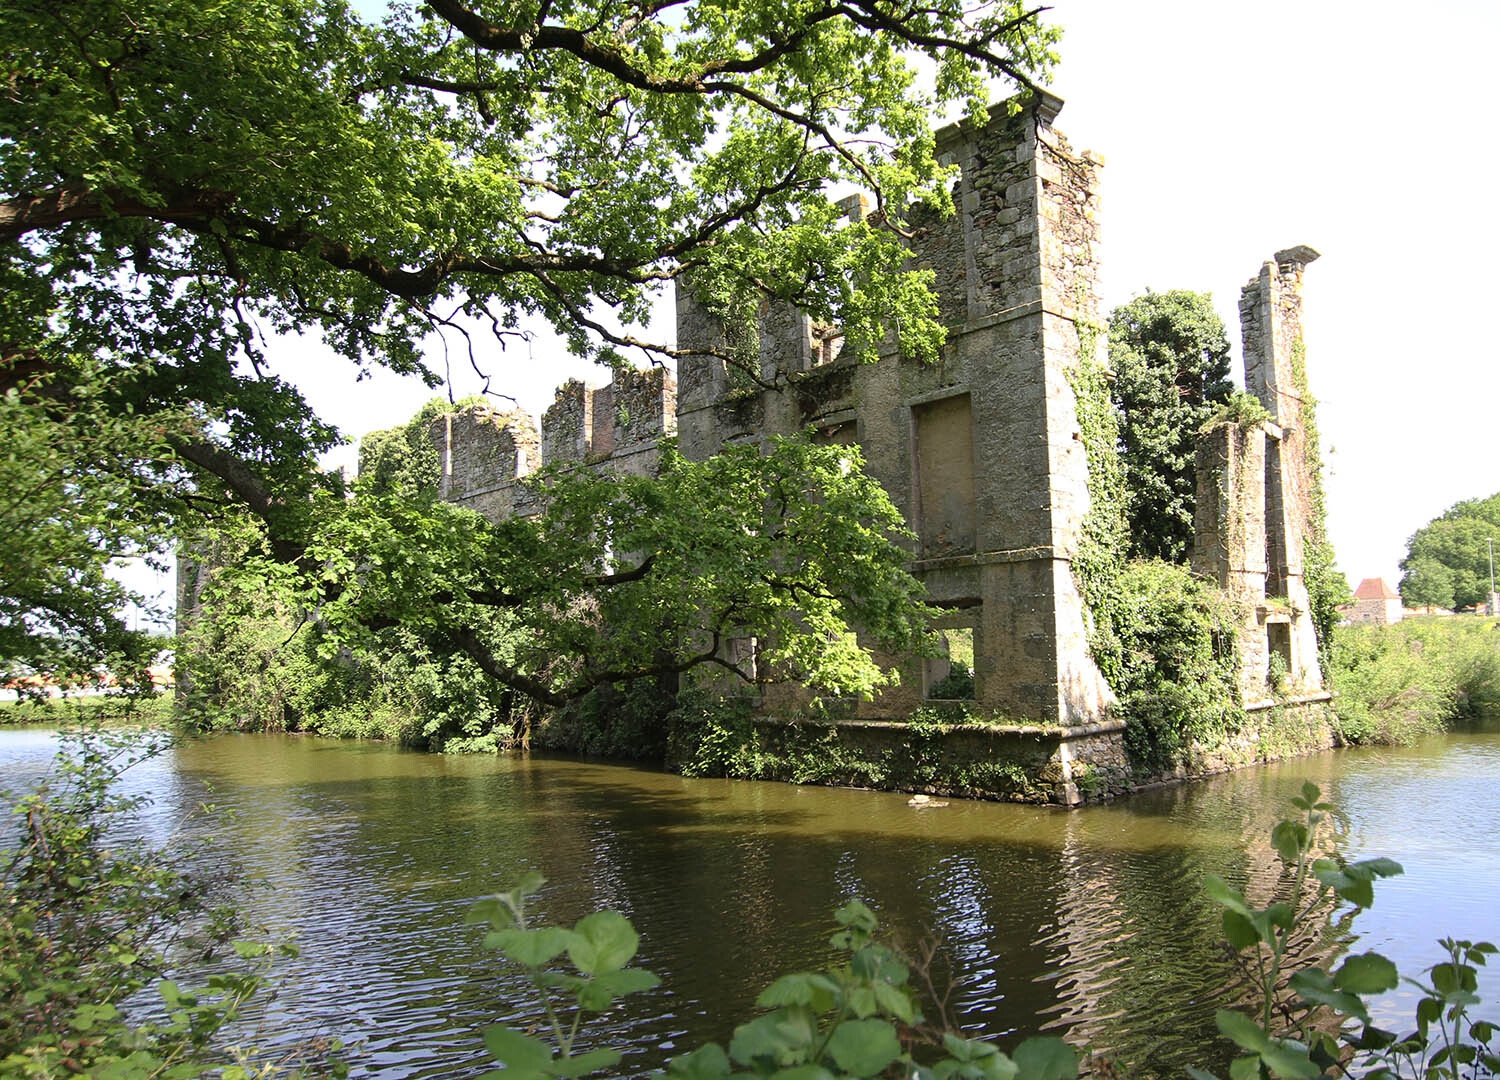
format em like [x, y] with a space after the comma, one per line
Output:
[1327, 588]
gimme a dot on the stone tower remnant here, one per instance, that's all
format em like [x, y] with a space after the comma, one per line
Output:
[1255, 483]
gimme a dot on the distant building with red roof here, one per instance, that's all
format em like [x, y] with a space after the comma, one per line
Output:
[1375, 602]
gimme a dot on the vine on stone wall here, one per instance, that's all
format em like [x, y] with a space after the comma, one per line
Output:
[1327, 588]
[1163, 640]
[1099, 557]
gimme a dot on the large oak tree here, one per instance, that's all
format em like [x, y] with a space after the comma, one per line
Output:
[181, 180]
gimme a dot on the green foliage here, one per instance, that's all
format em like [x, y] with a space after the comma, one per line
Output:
[75, 494]
[129, 709]
[1313, 1021]
[1165, 640]
[452, 169]
[1417, 677]
[792, 546]
[626, 720]
[1171, 362]
[860, 1017]
[720, 737]
[1327, 588]
[253, 660]
[404, 460]
[598, 948]
[712, 735]
[92, 920]
[1447, 561]
[957, 685]
[1429, 583]
[1239, 409]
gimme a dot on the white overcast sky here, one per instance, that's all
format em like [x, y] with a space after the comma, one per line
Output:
[1230, 131]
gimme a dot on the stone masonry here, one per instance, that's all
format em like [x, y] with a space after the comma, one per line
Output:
[980, 450]
[1254, 487]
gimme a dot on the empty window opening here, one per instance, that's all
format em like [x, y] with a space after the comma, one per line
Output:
[950, 677]
[1278, 654]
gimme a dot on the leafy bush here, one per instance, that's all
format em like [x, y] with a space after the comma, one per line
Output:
[132, 708]
[863, 1016]
[618, 720]
[957, 685]
[92, 919]
[1417, 677]
[859, 1018]
[1313, 1022]
[709, 735]
[1165, 640]
[254, 660]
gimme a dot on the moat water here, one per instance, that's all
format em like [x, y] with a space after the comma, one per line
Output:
[1090, 924]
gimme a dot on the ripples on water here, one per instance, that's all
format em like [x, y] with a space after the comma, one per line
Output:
[1091, 924]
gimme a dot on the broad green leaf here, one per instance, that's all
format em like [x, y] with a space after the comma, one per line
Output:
[803, 1072]
[1239, 931]
[1376, 868]
[1428, 1010]
[896, 1002]
[860, 1000]
[529, 948]
[1222, 894]
[583, 1064]
[864, 1047]
[489, 910]
[1280, 915]
[856, 915]
[599, 993]
[515, 1050]
[1290, 839]
[603, 941]
[1046, 1058]
[802, 988]
[1241, 1030]
[1291, 1061]
[708, 1062]
[1373, 1038]
[1366, 973]
[1200, 1074]
[779, 1038]
[1453, 979]
[1245, 1068]
[1317, 986]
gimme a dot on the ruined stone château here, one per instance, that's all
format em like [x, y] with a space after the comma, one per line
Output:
[981, 450]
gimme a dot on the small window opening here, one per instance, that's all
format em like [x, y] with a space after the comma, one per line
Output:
[1278, 655]
[950, 677]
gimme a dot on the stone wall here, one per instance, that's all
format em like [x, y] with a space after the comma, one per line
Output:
[484, 454]
[979, 450]
[1018, 763]
[1275, 373]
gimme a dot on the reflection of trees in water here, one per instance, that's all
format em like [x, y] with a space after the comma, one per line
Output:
[1091, 923]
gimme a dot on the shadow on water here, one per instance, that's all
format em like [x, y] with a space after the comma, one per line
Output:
[1090, 924]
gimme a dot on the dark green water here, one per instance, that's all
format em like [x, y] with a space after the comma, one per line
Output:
[1090, 923]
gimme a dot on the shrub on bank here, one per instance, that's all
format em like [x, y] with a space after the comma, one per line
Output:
[152, 708]
[1418, 677]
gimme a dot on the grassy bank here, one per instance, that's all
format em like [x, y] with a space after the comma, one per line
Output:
[1419, 677]
[82, 711]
